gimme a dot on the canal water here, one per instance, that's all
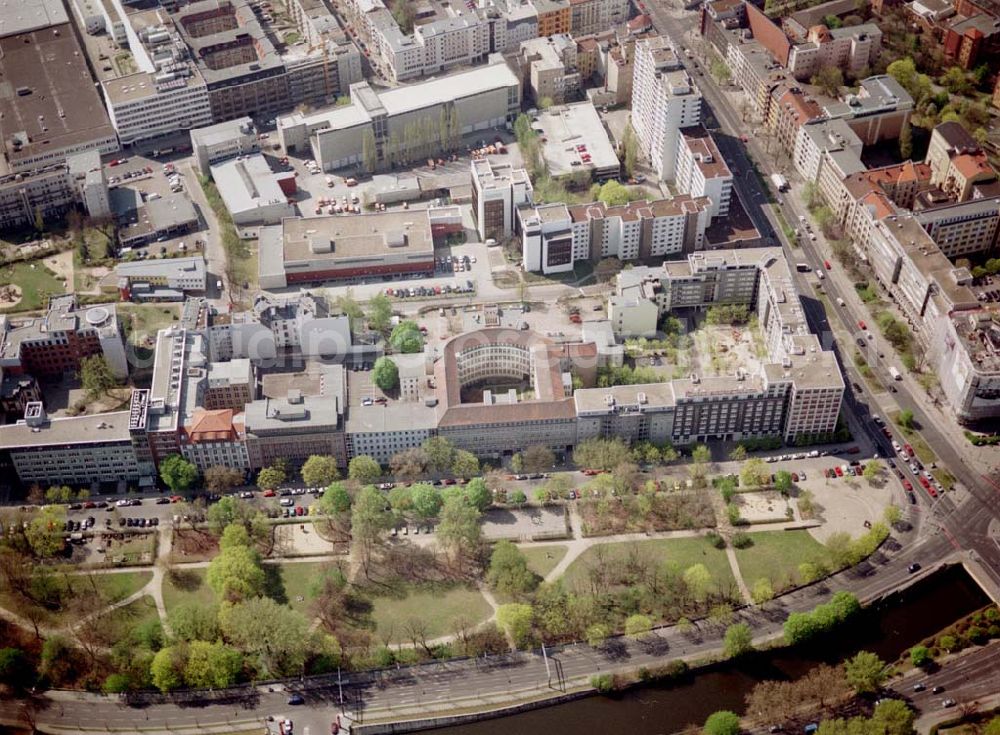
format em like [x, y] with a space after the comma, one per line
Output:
[887, 629]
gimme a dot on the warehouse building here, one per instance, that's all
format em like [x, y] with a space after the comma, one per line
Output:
[303, 250]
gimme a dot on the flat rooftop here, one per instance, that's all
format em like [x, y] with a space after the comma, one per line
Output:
[162, 268]
[359, 237]
[246, 183]
[22, 16]
[96, 429]
[567, 128]
[48, 100]
[706, 153]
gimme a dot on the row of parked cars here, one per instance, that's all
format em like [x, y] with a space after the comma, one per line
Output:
[418, 291]
[136, 522]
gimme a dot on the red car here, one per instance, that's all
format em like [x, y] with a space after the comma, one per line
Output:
[269, 493]
[909, 449]
[862, 324]
[907, 484]
[826, 264]
[299, 510]
[839, 471]
[932, 492]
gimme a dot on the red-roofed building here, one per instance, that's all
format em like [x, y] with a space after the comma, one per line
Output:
[215, 438]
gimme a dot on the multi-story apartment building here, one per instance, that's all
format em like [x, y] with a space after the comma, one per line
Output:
[554, 16]
[879, 110]
[555, 236]
[664, 100]
[701, 171]
[229, 385]
[789, 110]
[821, 137]
[497, 192]
[795, 391]
[549, 68]
[957, 162]
[215, 438]
[959, 229]
[594, 16]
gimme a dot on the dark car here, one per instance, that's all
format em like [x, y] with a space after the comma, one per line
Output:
[296, 699]
[913, 568]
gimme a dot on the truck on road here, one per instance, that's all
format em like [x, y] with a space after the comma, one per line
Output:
[780, 182]
[895, 373]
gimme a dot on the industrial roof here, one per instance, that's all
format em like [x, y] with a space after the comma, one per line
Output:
[247, 183]
[21, 16]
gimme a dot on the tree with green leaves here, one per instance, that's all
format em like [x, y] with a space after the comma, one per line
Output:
[921, 656]
[335, 500]
[738, 640]
[893, 717]
[380, 313]
[905, 418]
[601, 454]
[350, 308]
[270, 478]
[762, 591]
[385, 374]
[459, 531]
[865, 672]
[906, 141]
[440, 453]
[464, 464]
[508, 572]
[96, 376]
[319, 470]
[722, 722]
[698, 579]
[426, 500]
[478, 494]
[783, 481]
[537, 458]
[194, 621]
[212, 665]
[514, 621]
[13, 667]
[829, 79]
[738, 453]
[754, 473]
[720, 71]
[517, 498]
[274, 635]
[406, 337]
[636, 626]
[630, 150]
[364, 469]
[44, 533]
[369, 520]
[596, 634]
[167, 667]
[177, 473]
[369, 152]
[236, 574]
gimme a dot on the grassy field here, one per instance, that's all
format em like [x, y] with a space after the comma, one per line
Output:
[683, 552]
[543, 559]
[37, 283]
[186, 585]
[775, 555]
[110, 587]
[132, 615]
[437, 607]
[148, 319]
[292, 581]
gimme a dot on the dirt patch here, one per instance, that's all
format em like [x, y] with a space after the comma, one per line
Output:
[10, 295]
[661, 512]
[767, 506]
[194, 545]
[61, 265]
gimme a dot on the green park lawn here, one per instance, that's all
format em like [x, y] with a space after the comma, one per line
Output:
[682, 552]
[776, 555]
[436, 606]
[290, 581]
[110, 587]
[543, 559]
[186, 585]
[132, 615]
[37, 283]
